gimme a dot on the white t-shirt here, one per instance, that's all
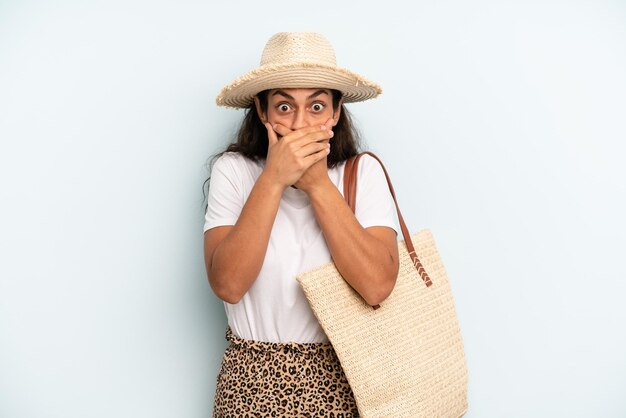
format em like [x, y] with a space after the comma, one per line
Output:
[274, 308]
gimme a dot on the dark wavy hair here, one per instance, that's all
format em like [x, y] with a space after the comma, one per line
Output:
[251, 140]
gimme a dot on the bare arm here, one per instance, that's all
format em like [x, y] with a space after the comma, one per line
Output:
[234, 254]
[367, 258]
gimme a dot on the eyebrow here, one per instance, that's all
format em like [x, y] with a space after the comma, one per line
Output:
[282, 93]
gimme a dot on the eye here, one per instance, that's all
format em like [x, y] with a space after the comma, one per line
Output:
[283, 107]
[318, 107]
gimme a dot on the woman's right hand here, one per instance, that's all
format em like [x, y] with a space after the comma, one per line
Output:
[291, 155]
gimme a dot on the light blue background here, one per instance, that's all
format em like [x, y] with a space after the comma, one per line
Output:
[502, 127]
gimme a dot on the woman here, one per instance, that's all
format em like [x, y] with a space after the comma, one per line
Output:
[275, 210]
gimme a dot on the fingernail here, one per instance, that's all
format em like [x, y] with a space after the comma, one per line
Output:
[332, 134]
[275, 126]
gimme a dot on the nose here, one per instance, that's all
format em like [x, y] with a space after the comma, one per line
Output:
[300, 119]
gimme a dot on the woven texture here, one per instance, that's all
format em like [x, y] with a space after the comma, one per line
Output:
[406, 358]
[297, 60]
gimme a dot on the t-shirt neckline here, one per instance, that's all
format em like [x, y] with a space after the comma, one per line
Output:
[296, 197]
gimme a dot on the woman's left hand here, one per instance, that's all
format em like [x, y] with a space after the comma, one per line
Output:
[317, 174]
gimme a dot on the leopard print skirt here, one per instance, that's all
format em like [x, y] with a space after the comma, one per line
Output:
[265, 379]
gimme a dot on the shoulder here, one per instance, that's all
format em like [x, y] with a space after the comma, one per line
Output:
[230, 157]
[233, 160]
[369, 166]
[368, 160]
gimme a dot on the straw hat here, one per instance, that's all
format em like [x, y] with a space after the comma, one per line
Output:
[297, 60]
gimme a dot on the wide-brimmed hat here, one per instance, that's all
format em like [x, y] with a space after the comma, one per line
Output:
[297, 60]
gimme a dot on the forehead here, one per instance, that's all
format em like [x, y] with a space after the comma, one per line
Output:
[299, 93]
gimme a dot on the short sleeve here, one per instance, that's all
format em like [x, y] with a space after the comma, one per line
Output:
[225, 199]
[374, 203]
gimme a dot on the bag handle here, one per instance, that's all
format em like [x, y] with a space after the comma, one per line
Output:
[349, 193]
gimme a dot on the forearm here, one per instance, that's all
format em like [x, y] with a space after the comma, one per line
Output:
[238, 259]
[362, 259]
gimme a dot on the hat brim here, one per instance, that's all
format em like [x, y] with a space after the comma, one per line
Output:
[354, 87]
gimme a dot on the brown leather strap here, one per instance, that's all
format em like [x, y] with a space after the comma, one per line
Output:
[352, 181]
[346, 180]
[349, 187]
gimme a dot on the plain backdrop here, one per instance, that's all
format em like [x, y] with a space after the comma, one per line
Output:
[502, 125]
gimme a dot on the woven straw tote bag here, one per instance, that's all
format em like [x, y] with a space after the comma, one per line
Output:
[406, 357]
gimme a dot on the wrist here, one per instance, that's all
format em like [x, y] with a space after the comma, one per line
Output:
[319, 189]
[270, 184]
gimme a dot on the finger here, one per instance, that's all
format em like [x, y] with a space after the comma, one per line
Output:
[299, 133]
[312, 148]
[313, 158]
[329, 123]
[282, 130]
[271, 135]
[315, 136]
